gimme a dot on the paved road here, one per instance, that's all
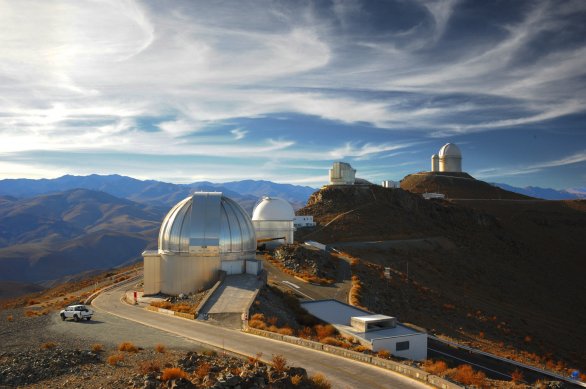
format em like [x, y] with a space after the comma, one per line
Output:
[341, 372]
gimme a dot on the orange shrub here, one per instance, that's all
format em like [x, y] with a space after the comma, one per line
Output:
[361, 348]
[437, 367]
[385, 354]
[10, 318]
[173, 373]
[279, 363]
[323, 331]
[305, 333]
[127, 346]
[272, 320]
[296, 379]
[254, 360]
[203, 370]
[160, 348]
[332, 341]
[285, 331]
[258, 316]
[115, 359]
[48, 346]
[97, 347]
[319, 381]
[261, 325]
[517, 376]
[468, 376]
[147, 367]
[30, 313]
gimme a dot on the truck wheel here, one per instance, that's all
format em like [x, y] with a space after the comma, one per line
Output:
[88, 318]
[76, 318]
[62, 317]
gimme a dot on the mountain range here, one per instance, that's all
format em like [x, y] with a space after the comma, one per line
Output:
[52, 228]
[157, 193]
[546, 193]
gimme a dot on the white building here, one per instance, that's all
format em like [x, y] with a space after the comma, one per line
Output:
[303, 221]
[449, 159]
[273, 220]
[390, 184]
[379, 332]
[342, 174]
[202, 234]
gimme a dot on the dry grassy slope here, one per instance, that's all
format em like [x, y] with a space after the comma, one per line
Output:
[455, 186]
[516, 268]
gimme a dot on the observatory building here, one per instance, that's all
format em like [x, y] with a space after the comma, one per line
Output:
[201, 235]
[449, 159]
[273, 219]
[342, 174]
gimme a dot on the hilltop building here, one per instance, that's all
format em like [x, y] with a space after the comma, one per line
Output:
[390, 184]
[273, 219]
[342, 174]
[303, 221]
[201, 235]
[449, 159]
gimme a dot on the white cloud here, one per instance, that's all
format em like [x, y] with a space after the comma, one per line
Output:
[239, 133]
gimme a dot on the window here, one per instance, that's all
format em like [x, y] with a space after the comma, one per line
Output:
[402, 346]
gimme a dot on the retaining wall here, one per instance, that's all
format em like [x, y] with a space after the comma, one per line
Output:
[401, 368]
[170, 312]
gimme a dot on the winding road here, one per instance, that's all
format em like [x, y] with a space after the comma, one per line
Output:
[341, 372]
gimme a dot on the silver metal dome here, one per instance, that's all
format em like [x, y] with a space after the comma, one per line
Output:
[207, 223]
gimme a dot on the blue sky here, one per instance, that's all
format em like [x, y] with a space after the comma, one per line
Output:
[186, 91]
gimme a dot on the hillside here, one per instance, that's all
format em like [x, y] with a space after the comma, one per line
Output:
[456, 186]
[506, 276]
[50, 236]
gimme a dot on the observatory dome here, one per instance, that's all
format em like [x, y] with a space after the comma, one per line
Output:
[273, 208]
[206, 220]
[450, 150]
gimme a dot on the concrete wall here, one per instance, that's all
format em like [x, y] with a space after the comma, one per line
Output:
[152, 274]
[187, 274]
[398, 367]
[417, 346]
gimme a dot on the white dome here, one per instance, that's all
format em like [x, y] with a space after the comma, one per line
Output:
[450, 150]
[273, 208]
[207, 220]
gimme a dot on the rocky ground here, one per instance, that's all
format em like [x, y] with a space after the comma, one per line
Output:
[301, 259]
[45, 352]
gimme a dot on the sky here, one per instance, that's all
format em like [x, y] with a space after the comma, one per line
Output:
[185, 91]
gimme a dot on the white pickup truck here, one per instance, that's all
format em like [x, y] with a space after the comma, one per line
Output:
[76, 312]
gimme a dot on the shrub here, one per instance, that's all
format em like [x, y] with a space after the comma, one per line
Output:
[385, 354]
[173, 373]
[517, 376]
[261, 325]
[97, 347]
[468, 376]
[279, 363]
[147, 367]
[296, 379]
[437, 367]
[160, 348]
[272, 320]
[361, 348]
[209, 353]
[10, 318]
[323, 331]
[30, 313]
[48, 345]
[127, 346]
[115, 359]
[305, 333]
[258, 316]
[203, 370]
[285, 331]
[319, 381]
[254, 360]
[332, 341]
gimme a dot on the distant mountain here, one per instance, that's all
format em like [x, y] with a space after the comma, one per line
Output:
[49, 236]
[546, 193]
[154, 192]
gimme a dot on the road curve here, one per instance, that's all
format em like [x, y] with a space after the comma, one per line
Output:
[342, 372]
